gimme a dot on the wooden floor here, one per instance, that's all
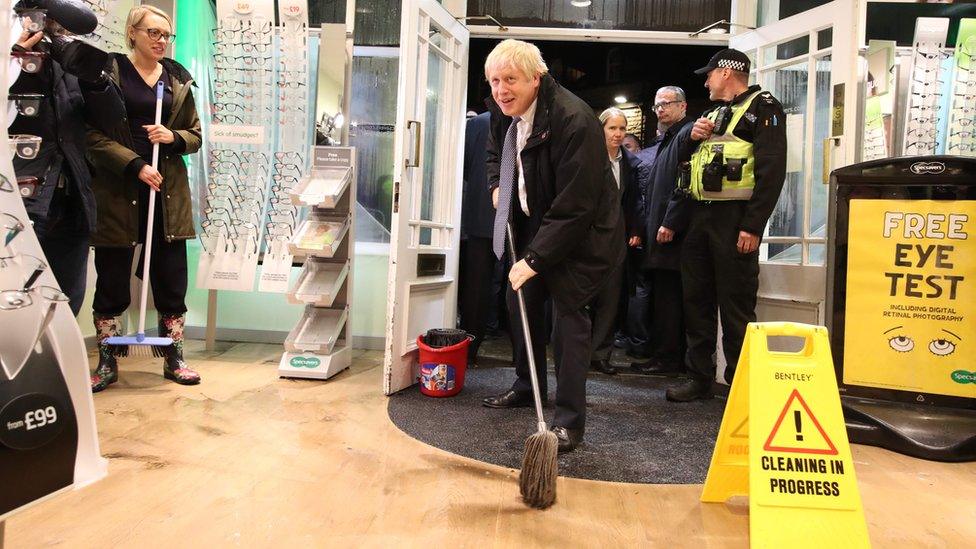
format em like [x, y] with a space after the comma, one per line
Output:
[248, 460]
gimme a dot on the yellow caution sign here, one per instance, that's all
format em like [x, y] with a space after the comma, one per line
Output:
[797, 468]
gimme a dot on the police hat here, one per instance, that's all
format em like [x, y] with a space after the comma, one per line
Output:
[727, 59]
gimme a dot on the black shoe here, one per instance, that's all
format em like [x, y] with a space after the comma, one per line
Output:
[662, 367]
[621, 342]
[640, 367]
[694, 389]
[510, 399]
[569, 439]
[603, 366]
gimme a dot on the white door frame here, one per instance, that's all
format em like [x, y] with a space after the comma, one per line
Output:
[415, 304]
[806, 283]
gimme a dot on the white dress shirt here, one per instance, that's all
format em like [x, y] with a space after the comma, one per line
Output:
[523, 131]
[615, 165]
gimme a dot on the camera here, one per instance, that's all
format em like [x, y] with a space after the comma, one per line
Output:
[722, 118]
[714, 171]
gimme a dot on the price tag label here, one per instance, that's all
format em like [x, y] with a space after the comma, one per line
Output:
[30, 421]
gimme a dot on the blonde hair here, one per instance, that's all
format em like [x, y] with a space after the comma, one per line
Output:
[519, 55]
[611, 112]
[137, 14]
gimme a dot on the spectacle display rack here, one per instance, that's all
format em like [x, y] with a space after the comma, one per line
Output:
[320, 345]
[259, 139]
[48, 438]
[939, 94]
[109, 35]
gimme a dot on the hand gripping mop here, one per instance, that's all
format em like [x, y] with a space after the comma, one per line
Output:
[139, 339]
[537, 479]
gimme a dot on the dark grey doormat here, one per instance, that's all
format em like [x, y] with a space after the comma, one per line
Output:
[632, 433]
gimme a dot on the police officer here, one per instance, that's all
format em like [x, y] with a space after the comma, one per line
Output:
[736, 175]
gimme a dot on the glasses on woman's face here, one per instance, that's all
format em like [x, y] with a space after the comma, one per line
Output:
[157, 35]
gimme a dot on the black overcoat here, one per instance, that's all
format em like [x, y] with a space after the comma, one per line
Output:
[662, 207]
[573, 200]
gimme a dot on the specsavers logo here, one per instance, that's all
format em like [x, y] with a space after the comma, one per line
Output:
[964, 377]
[305, 362]
[927, 168]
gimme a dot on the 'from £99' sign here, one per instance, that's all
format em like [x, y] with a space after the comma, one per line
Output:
[243, 8]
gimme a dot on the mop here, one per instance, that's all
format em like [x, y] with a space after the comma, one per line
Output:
[139, 339]
[537, 479]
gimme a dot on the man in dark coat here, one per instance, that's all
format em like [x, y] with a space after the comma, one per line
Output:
[60, 201]
[662, 263]
[550, 177]
[477, 221]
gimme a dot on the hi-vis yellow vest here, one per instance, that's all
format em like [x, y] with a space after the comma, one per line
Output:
[732, 147]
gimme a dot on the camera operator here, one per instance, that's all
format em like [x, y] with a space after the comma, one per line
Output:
[71, 81]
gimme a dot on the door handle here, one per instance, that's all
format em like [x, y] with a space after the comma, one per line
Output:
[413, 161]
[828, 148]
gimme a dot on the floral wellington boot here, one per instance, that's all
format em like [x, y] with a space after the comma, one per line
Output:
[174, 367]
[107, 371]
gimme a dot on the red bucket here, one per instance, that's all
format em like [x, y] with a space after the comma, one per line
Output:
[442, 370]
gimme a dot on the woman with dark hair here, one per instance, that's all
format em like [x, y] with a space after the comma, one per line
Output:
[123, 175]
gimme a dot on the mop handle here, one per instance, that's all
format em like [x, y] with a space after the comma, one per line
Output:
[528, 342]
[147, 247]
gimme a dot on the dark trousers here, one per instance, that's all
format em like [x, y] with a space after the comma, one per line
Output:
[167, 271]
[475, 287]
[715, 275]
[637, 325]
[572, 332]
[605, 314]
[667, 339]
[64, 238]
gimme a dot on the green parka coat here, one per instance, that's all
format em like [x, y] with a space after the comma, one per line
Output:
[115, 177]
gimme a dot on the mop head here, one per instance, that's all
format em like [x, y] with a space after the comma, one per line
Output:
[537, 480]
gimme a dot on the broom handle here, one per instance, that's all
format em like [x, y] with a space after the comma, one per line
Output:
[150, 220]
[528, 343]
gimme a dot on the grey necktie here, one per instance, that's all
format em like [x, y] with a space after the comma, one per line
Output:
[506, 181]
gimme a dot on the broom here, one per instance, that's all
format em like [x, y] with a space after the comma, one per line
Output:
[537, 479]
[139, 340]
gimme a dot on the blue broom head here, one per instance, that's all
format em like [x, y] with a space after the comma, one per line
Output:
[140, 339]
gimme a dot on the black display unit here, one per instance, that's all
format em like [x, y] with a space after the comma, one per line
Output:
[925, 425]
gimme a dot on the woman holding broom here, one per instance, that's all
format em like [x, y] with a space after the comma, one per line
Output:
[123, 177]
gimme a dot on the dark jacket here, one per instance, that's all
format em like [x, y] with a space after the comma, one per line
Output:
[631, 201]
[116, 168]
[61, 124]
[572, 195]
[477, 213]
[660, 206]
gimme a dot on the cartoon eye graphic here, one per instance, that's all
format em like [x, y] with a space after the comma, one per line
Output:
[941, 347]
[902, 344]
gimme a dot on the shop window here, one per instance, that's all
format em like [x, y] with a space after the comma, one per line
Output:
[645, 15]
[374, 87]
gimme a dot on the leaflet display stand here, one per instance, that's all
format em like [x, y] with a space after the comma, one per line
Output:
[319, 346]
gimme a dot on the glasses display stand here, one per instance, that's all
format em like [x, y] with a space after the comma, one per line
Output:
[48, 438]
[320, 345]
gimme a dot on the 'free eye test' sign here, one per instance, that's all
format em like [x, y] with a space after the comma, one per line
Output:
[911, 296]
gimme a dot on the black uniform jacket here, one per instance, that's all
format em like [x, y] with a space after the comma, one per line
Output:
[572, 195]
[763, 125]
[659, 207]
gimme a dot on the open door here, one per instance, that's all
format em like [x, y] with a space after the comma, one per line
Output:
[809, 62]
[427, 184]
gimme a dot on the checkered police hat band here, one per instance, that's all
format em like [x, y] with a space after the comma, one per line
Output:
[732, 64]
